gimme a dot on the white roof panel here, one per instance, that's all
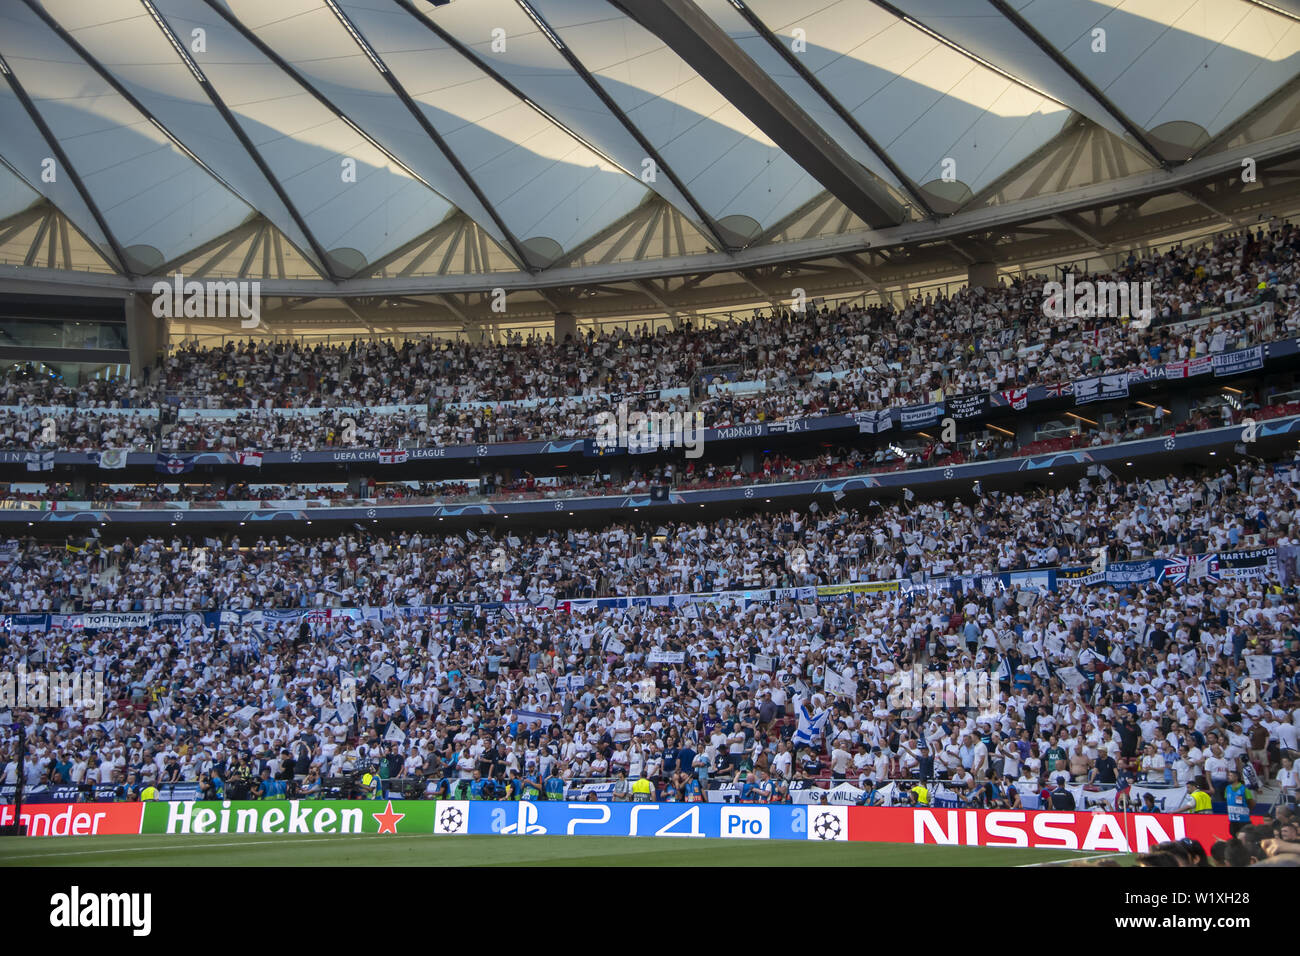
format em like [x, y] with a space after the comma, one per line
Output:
[124, 39]
[1199, 61]
[149, 192]
[15, 195]
[313, 153]
[922, 100]
[547, 110]
[725, 160]
[542, 180]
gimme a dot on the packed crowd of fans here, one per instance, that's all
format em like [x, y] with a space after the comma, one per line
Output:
[883, 542]
[818, 362]
[1162, 663]
[519, 484]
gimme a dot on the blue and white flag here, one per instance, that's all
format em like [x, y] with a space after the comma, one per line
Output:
[174, 464]
[536, 717]
[810, 724]
[40, 461]
[870, 423]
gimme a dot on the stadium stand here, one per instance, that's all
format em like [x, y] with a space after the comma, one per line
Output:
[498, 670]
[852, 360]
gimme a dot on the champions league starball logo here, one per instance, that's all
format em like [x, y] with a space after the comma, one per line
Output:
[826, 826]
[451, 820]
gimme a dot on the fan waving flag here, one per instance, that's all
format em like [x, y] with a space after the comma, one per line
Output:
[251, 458]
[392, 456]
[174, 464]
[811, 724]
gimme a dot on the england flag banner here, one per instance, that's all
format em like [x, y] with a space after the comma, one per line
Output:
[1017, 398]
[1188, 368]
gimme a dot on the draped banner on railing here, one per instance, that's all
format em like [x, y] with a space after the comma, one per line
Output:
[1234, 363]
[920, 416]
[1101, 388]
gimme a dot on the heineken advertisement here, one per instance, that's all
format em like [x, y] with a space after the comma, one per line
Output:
[289, 816]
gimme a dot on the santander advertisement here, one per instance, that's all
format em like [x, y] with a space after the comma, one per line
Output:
[76, 819]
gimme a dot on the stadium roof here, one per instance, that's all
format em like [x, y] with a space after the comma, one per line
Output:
[349, 140]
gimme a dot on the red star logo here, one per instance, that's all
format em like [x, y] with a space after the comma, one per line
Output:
[388, 819]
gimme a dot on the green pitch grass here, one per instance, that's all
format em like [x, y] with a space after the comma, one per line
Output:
[429, 850]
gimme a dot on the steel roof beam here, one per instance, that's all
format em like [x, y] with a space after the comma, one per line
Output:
[796, 64]
[1063, 63]
[219, 104]
[62, 157]
[516, 247]
[706, 220]
[707, 49]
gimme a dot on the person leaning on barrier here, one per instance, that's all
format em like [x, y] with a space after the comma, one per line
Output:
[642, 789]
[530, 784]
[1061, 798]
[372, 787]
[1198, 801]
[209, 787]
[310, 787]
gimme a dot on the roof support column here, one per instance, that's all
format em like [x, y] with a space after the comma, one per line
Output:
[146, 335]
[982, 274]
[565, 325]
